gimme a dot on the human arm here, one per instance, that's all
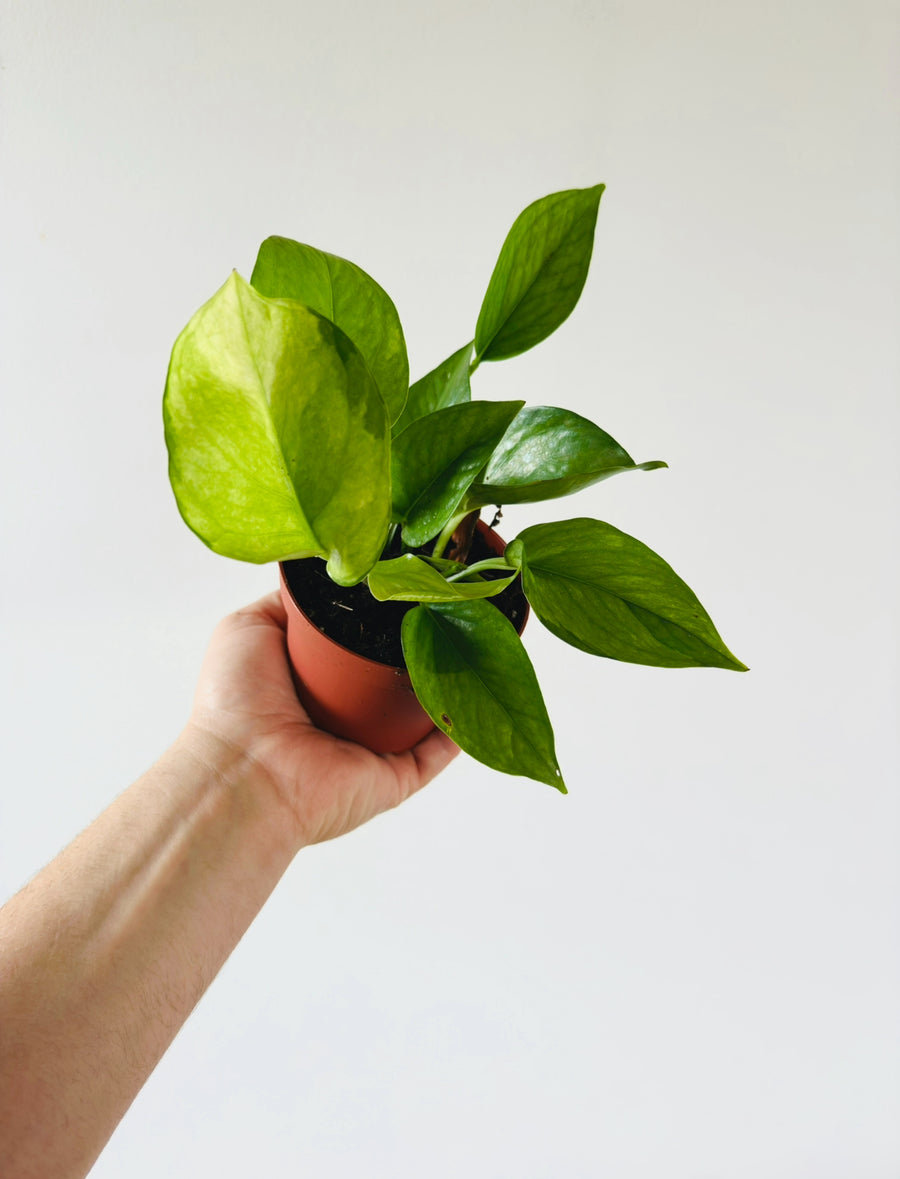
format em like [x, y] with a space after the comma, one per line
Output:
[106, 952]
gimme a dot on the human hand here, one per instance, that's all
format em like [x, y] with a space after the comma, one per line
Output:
[246, 704]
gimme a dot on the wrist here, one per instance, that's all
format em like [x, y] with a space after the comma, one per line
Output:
[230, 775]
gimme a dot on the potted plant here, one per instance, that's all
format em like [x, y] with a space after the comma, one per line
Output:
[294, 436]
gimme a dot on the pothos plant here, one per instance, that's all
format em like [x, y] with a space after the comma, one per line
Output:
[293, 432]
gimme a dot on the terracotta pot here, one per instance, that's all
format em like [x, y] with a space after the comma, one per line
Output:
[350, 695]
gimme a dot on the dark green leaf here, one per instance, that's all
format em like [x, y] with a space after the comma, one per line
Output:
[448, 384]
[474, 679]
[278, 438]
[549, 452]
[410, 579]
[434, 461]
[608, 594]
[540, 273]
[347, 296]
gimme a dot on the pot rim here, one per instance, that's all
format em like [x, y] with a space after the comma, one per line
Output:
[481, 525]
[334, 643]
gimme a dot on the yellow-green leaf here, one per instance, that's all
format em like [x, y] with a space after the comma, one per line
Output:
[410, 579]
[278, 437]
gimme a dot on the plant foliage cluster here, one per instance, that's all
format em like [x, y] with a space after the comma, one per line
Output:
[293, 432]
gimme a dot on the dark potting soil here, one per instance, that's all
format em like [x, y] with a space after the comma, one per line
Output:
[353, 618]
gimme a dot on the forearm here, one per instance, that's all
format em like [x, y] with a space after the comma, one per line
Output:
[104, 955]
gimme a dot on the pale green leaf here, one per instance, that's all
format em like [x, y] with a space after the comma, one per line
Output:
[410, 579]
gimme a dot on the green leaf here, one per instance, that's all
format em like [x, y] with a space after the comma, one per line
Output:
[434, 461]
[608, 594]
[278, 438]
[448, 384]
[410, 579]
[547, 453]
[474, 679]
[540, 273]
[443, 565]
[346, 296]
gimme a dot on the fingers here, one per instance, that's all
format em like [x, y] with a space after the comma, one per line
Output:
[433, 754]
[246, 661]
[267, 612]
[248, 652]
[266, 609]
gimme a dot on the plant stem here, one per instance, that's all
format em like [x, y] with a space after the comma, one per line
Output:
[444, 539]
[480, 567]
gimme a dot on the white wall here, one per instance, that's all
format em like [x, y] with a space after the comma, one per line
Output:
[690, 966]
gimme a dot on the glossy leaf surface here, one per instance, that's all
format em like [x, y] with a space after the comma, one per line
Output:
[540, 273]
[607, 593]
[278, 438]
[474, 679]
[344, 294]
[444, 565]
[434, 461]
[410, 579]
[547, 453]
[448, 384]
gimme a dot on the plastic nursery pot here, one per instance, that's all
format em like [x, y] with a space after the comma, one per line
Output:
[352, 696]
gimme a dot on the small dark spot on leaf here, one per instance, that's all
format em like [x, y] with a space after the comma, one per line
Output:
[447, 721]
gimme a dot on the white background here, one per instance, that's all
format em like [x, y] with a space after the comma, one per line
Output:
[689, 967]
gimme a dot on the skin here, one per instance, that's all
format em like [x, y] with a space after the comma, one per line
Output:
[106, 952]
